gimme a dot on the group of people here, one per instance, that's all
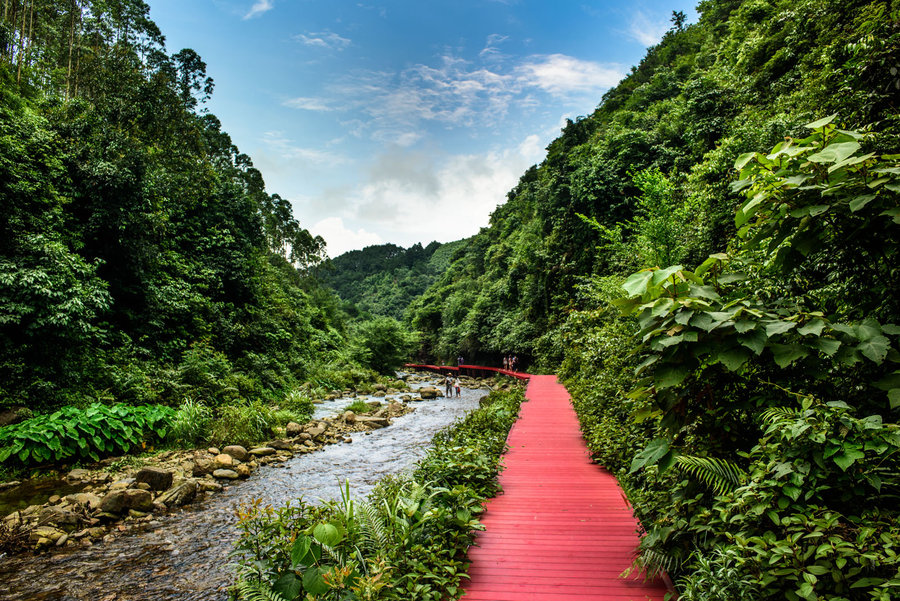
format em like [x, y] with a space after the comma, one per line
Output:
[510, 362]
[449, 383]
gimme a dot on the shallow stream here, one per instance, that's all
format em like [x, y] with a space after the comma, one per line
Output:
[184, 556]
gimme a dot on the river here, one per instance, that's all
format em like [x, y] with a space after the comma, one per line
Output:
[185, 555]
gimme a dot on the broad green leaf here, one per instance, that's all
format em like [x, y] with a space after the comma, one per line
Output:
[829, 346]
[892, 329]
[785, 354]
[875, 349]
[300, 551]
[652, 453]
[791, 491]
[821, 122]
[734, 358]
[327, 534]
[636, 284]
[813, 327]
[834, 153]
[313, 581]
[779, 327]
[894, 397]
[748, 209]
[861, 201]
[867, 582]
[661, 275]
[742, 160]
[703, 321]
[848, 457]
[755, 341]
[288, 586]
[744, 326]
[669, 376]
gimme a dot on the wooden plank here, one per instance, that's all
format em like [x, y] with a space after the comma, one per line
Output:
[562, 529]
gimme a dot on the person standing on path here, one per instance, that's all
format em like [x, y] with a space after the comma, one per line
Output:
[456, 382]
[448, 386]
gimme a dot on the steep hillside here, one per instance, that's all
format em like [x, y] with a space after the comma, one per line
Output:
[664, 142]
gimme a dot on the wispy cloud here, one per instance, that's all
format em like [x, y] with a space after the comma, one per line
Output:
[323, 39]
[277, 142]
[491, 52]
[562, 75]
[647, 30]
[309, 104]
[258, 8]
[393, 108]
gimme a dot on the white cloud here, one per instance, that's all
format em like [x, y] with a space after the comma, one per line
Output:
[258, 8]
[308, 104]
[491, 52]
[413, 196]
[563, 75]
[288, 151]
[340, 238]
[324, 39]
[647, 31]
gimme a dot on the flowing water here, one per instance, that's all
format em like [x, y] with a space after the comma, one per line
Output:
[184, 556]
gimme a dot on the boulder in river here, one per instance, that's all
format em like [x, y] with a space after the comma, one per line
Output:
[61, 518]
[292, 429]
[118, 501]
[226, 474]
[180, 494]
[262, 451]
[280, 445]
[429, 392]
[156, 478]
[224, 461]
[236, 451]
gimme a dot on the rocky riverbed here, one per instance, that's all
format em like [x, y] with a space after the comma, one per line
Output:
[171, 519]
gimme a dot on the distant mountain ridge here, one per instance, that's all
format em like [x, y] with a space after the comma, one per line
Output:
[383, 279]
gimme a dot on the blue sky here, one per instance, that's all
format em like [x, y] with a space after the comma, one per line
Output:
[405, 121]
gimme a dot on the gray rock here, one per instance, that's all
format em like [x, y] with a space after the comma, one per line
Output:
[118, 501]
[226, 474]
[156, 478]
[236, 451]
[292, 429]
[429, 392]
[224, 461]
[373, 422]
[179, 495]
[202, 466]
[315, 431]
[85, 499]
[280, 445]
[262, 451]
[54, 516]
[349, 417]
[78, 474]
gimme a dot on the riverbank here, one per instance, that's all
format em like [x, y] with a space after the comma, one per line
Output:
[81, 507]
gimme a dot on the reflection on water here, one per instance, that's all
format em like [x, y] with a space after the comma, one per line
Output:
[185, 555]
[36, 492]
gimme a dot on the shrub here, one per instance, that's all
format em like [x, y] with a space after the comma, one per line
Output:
[74, 433]
[190, 424]
[300, 403]
[358, 406]
[243, 424]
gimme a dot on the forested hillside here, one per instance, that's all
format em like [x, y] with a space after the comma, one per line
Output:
[141, 258]
[709, 260]
[384, 279]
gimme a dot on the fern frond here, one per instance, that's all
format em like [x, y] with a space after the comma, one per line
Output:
[256, 591]
[775, 415]
[721, 475]
[652, 563]
[374, 533]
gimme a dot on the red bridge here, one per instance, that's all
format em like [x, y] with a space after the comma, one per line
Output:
[562, 529]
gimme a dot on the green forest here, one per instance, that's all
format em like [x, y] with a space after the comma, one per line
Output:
[709, 261]
[142, 262]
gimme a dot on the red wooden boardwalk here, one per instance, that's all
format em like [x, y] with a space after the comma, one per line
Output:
[561, 530]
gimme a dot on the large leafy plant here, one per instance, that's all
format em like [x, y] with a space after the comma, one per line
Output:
[80, 434]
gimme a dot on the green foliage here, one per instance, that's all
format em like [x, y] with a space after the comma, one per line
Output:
[80, 434]
[190, 423]
[382, 344]
[404, 542]
[384, 279]
[358, 406]
[243, 424]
